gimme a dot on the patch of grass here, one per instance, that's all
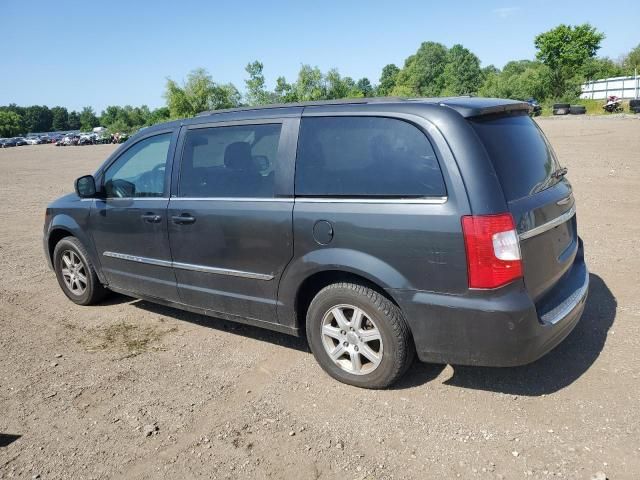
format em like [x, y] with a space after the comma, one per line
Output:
[127, 338]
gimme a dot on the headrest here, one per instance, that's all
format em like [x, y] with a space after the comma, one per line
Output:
[237, 156]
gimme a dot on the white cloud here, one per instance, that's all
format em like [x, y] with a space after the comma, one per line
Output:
[505, 12]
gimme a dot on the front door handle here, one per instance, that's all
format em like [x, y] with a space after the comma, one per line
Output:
[184, 219]
[150, 217]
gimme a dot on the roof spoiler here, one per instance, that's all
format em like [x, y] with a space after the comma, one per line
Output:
[502, 106]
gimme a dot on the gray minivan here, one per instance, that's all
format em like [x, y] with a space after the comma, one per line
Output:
[378, 228]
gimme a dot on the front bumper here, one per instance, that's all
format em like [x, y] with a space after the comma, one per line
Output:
[501, 328]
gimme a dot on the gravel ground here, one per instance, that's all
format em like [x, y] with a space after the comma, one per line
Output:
[129, 389]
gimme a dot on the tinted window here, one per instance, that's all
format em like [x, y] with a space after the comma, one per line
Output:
[365, 156]
[521, 155]
[140, 171]
[234, 161]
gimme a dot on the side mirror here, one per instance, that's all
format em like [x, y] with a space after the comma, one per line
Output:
[86, 186]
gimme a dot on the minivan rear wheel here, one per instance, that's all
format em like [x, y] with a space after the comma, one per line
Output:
[358, 336]
[75, 273]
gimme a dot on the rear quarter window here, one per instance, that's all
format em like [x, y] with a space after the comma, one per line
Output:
[365, 157]
[520, 153]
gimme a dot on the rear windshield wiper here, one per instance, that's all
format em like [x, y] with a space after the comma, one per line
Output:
[559, 173]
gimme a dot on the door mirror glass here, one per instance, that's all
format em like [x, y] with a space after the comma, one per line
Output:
[86, 186]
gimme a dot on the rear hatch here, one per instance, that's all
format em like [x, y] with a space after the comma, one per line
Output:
[540, 199]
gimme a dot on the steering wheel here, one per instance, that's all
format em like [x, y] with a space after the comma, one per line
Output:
[152, 180]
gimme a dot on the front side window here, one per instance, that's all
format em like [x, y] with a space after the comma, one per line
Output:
[365, 157]
[140, 171]
[235, 161]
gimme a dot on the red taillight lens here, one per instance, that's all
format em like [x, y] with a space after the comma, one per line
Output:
[493, 250]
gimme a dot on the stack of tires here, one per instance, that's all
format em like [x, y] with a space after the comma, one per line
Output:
[561, 108]
[634, 106]
[565, 108]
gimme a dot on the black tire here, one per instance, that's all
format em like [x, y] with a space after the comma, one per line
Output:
[560, 111]
[94, 291]
[557, 106]
[398, 352]
[634, 103]
[577, 110]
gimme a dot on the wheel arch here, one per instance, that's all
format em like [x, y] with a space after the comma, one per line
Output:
[308, 274]
[315, 282]
[55, 235]
[62, 226]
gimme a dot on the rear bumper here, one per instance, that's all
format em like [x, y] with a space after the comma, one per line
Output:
[500, 328]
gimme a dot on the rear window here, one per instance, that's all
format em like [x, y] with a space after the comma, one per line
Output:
[365, 157]
[521, 155]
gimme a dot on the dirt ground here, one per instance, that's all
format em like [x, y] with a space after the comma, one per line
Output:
[129, 389]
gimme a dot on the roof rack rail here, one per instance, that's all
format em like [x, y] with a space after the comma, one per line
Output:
[313, 103]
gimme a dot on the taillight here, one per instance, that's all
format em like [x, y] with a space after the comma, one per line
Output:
[493, 250]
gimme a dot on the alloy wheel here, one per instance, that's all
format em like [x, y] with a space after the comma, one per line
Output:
[73, 272]
[352, 339]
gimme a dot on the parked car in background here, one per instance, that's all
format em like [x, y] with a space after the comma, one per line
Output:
[535, 108]
[33, 140]
[20, 141]
[9, 142]
[55, 137]
[71, 139]
[87, 139]
[377, 228]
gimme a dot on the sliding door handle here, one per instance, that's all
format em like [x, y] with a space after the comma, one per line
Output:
[151, 218]
[184, 219]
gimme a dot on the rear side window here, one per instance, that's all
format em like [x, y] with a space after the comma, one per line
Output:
[364, 157]
[235, 161]
[521, 155]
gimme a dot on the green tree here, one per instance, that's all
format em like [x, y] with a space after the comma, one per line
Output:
[632, 61]
[257, 94]
[88, 119]
[564, 50]
[519, 79]
[337, 87]
[462, 74]
[364, 86]
[285, 92]
[74, 120]
[489, 69]
[601, 67]
[199, 93]
[60, 118]
[10, 124]
[422, 72]
[310, 84]
[37, 118]
[387, 80]
[158, 115]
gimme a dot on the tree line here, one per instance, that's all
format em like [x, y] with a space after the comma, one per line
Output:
[565, 59]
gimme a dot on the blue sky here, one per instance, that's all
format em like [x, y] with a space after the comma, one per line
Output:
[98, 53]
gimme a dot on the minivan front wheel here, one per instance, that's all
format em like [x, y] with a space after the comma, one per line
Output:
[358, 336]
[75, 273]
